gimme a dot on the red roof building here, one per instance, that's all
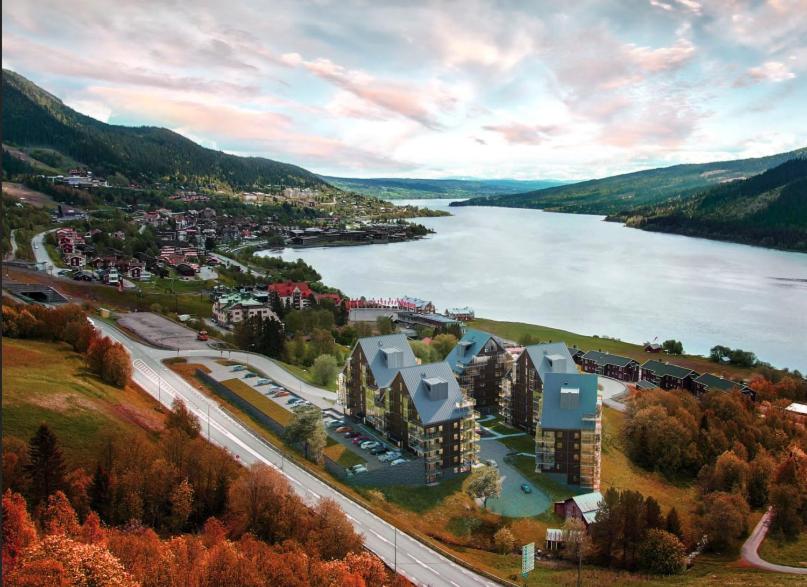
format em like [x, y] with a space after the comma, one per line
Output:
[291, 294]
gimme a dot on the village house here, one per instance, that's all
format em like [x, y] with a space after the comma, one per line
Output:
[230, 309]
[569, 432]
[797, 412]
[580, 507]
[480, 361]
[463, 314]
[667, 376]
[420, 408]
[524, 382]
[416, 305]
[614, 366]
[291, 294]
[708, 382]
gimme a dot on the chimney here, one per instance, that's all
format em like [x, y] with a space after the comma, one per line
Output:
[436, 387]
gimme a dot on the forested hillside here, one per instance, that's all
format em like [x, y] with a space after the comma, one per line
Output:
[405, 188]
[42, 127]
[629, 191]
[769, 209]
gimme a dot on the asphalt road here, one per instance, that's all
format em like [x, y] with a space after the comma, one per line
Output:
[750, 549]
[41, 253]
[418, 562]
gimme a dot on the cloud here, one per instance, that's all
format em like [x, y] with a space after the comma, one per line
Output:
[519, 133]
[770, 71]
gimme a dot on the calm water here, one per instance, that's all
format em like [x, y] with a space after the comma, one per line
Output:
[581, 274]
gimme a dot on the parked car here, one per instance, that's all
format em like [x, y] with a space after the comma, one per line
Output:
[369, 444]
[263, 382]
[492, 463]
[526, 488]
[81, 276]
[361, 438]
[358, 469]
[352, 434]
[379, 450]
[389, 456]
[238, 368]
[398, 461]
[282, 393]
[250, 375]
[335, 424]
[294, 401]
[343, 429]
[301, 404]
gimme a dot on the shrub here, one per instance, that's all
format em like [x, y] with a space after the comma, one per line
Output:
[661, 553]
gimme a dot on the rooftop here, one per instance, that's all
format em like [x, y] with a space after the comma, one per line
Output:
[419, 380]
[553, 356]
[797, 408]
[569, 400]
[607, 359]
[661, 369]
[470, 345]
[715, 382]
[377, 348]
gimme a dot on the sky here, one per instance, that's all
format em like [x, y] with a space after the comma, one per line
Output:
[471, 88]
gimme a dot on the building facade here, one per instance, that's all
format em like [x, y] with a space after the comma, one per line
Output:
[480, 361]
[420, 408]
[522, 385]
[569, 432]
[607, 365]
[230, 309]
[668, 376]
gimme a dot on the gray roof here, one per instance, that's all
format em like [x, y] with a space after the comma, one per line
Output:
[713, 381]
[607, 359]
[567, 399]
[644, 384]
[372, 347]
[545, 358]
[661, 369]
[433, 411]
[471, 343]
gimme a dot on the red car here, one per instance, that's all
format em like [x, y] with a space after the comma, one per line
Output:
[360, 438]
[343, 429]
[352, 434]
[281, 393]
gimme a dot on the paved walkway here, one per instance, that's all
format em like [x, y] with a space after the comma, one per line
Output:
[750, 549]
[513, 502]
[612, 391]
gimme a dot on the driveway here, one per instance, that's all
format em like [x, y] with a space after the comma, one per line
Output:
[513, 502]
[750, 549]
[612, 391]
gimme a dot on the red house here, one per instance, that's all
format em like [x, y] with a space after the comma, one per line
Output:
[291, 294]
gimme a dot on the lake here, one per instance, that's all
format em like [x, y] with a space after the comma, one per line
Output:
[579, 273]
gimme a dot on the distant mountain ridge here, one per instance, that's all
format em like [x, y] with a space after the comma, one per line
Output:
[35, 119]
[393, 188]
[629, 191]
[769, 209]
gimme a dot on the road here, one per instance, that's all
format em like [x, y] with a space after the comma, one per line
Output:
[419, 563]
[12, 254]
[41, 253]
[750, 549]
[228, 261]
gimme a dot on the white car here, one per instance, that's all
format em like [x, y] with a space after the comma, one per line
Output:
[359, 469]
[389, 456]
[398, 462]
[368, 444]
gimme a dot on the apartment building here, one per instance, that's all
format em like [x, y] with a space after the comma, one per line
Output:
[480, 361]
[522, 385]
[569, 432]
[230, 309]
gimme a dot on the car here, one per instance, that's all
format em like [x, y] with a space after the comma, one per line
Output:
[358, 469]
[352, 434]
[65, 272]
[250, 375]
[526, 488]
[492, 463]
[282, 393]
[238, 368]
[369, 444]
[379, 450]
[262, 382]
[389, 456]
[397, 462]
[301, 404]
[36, 246]
[343, 429]
[82, 277]
[335, 424]
[294, 401]
[361, 438]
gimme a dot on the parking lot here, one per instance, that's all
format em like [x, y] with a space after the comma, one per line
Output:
[161, 331]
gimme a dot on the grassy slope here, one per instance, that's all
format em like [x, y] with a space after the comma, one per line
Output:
[793, 554]
[516, 330]
[264, 404]
[80, 409]
[305, 375]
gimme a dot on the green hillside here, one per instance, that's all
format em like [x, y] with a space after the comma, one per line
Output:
[53, 135]
[769, 209]
[633, 190]
[393, 188]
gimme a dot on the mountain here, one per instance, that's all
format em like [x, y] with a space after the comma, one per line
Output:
[40, 125]
[769, 209]
[632, 190]
[407, 188]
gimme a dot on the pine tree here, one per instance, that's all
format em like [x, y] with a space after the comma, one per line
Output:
[674, 523]
[101, 492]
[45, 466]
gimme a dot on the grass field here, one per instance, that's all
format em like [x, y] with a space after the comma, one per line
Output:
[343, 455]
[305, 375]
[517, 330]
[79, 408]
[523, 443]
[279, 414]
[785, 552]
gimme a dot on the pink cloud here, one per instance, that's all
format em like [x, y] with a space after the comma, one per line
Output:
[770, 71]
[520, 133]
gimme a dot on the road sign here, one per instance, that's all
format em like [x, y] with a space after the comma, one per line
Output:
[527, 558]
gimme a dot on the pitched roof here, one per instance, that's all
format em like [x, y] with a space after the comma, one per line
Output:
[470, 345]
[568, 399]
[661, 369]
[644, 384]
[797, 408]
[545, 358]
[429, 410]
[607, 359]
[286, 288]
[374, 345]
[589, 504]
[715, 382]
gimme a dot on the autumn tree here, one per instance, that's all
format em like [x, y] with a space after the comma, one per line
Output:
[181, 505]
[45, 465]
[673, 524]
[483, 483]
[331, 533]
[59, 516]
[504, 540]
[19, 531]
[306, 428]
[100, 492]
[662, 553]
[181, 418]
[15, 460]
[724, 520]
[96, 353]
[117, 366]
[443, 343]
